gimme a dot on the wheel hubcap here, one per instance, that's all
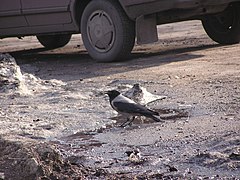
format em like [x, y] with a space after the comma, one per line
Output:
[101, 31]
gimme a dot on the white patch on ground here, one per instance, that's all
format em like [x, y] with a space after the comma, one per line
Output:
[10, 74]
[141, 95]
[13, 81]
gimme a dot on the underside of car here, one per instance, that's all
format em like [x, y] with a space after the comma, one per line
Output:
[109, 28]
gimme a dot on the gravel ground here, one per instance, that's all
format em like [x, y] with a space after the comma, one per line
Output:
[56, 122]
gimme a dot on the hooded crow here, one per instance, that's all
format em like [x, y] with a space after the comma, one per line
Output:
[129, 108]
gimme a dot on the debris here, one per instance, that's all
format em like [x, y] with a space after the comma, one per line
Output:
[13, 81]
[35, 161]
[235, 156]
[171, 168]
[2, 176]
[36, 120]
[10, 74]
[141, 95]
[134, 156]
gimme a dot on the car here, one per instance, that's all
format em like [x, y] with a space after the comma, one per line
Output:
[109, 27]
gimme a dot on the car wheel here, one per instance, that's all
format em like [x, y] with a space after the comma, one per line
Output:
[224, 27]
[54, 41]
[108, 34]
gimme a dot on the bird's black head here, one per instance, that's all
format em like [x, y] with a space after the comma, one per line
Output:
[112, 94]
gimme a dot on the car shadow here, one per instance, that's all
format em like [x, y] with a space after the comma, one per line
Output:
[79, 65]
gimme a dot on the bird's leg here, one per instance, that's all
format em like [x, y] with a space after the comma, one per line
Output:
[125, 123]
[129, 121]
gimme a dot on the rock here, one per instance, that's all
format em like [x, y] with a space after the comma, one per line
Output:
[2, 176]
[134, 156]
[31, 166]
[235, 156]
[171, 168]
[10, 74]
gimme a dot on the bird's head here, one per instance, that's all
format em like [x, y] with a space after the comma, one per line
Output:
[112, 94]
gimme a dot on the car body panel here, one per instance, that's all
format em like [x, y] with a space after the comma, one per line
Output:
[11, 15]
[137, 8]
[36, 17]
[46, 12]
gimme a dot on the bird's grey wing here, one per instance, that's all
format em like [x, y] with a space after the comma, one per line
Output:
[133, 108]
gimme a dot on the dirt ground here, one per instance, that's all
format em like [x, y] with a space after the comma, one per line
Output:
[59, 124]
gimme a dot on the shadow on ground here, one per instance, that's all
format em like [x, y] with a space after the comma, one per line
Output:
[54, 62]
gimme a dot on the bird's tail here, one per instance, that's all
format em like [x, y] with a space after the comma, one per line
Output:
[156, 118]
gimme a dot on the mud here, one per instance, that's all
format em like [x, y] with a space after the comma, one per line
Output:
[63, 112]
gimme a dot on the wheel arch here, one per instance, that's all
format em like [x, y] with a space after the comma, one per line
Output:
[79, 6]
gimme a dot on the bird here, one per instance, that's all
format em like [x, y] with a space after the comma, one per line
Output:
[129, 108]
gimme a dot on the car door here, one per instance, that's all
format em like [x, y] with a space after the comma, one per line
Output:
[46, 12]
[11, 15]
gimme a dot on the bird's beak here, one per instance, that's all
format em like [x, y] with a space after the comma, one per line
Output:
[106, 92]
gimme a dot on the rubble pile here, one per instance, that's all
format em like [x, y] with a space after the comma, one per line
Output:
[10, 74]
[13, 80]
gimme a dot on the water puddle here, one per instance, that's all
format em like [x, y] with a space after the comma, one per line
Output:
[107, 147]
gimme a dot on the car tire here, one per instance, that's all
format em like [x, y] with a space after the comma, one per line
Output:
[224, 27]
[54, 41]
[108, 34]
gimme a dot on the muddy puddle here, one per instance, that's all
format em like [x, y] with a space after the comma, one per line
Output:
[167, 150]
[159, 156]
